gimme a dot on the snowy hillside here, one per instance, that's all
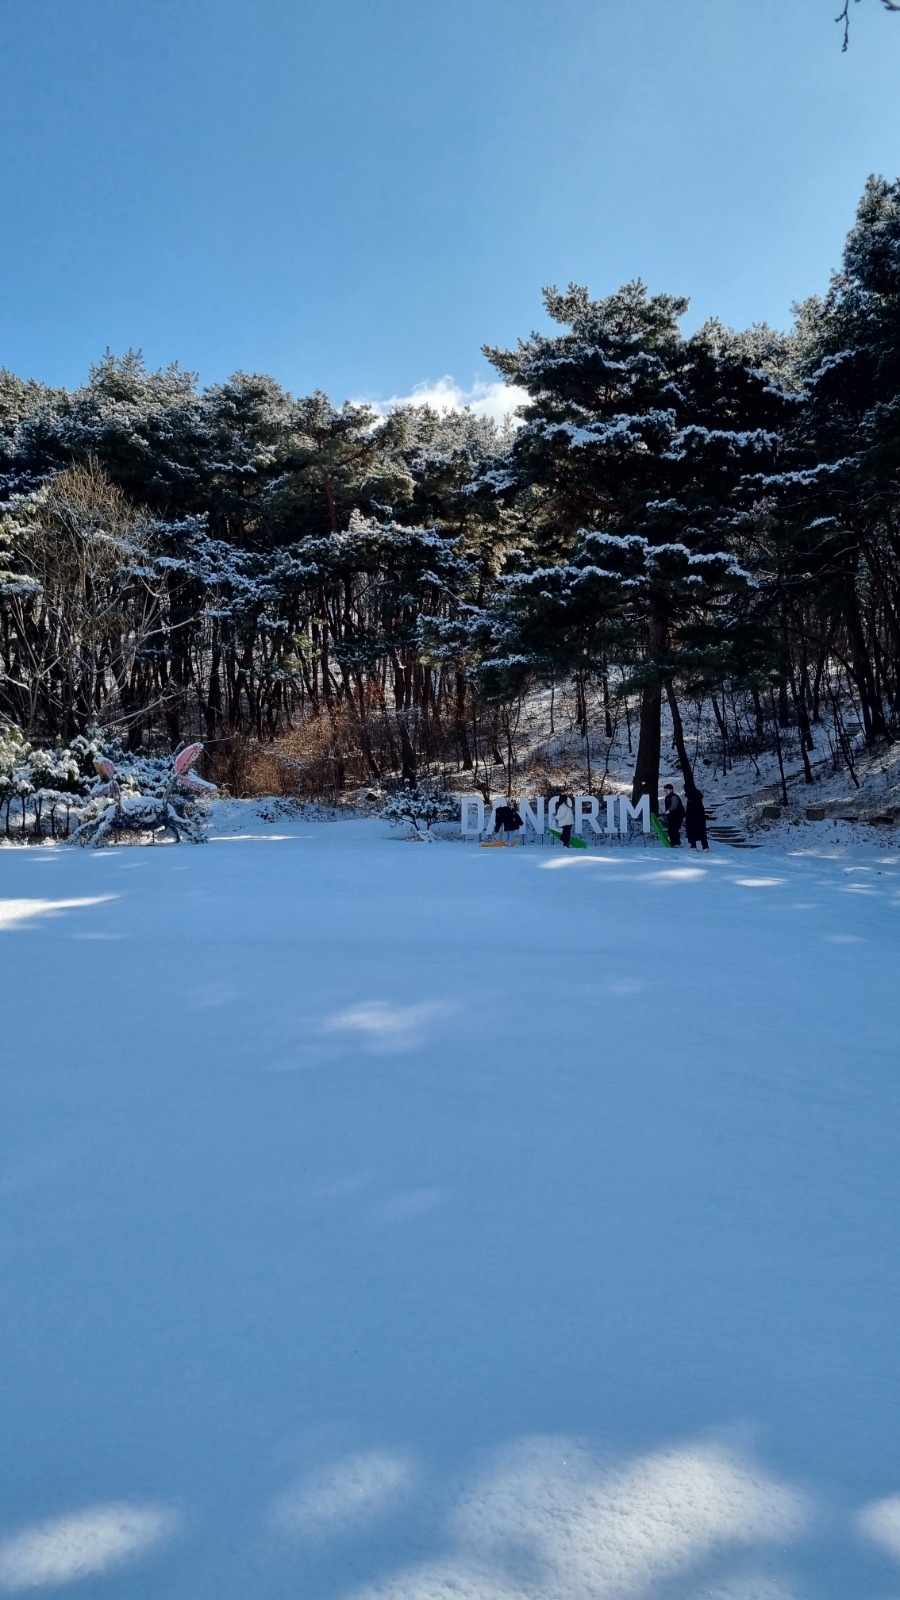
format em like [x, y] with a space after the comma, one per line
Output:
[739, 777]
[385, 1220]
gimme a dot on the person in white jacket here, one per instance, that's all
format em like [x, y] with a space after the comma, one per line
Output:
[565, 817]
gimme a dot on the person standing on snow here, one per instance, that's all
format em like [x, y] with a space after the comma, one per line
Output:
[508, 822]
[565, 817]
[695, 821]
[673, 806]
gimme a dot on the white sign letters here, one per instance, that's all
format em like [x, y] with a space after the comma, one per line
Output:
[539, 815]
[468, 801]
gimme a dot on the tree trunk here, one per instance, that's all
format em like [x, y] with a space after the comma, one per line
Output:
[607, 717]
[646, 767]
[874, 725]
[407, 753]
[776, 725]
[461, 733]
[803, 726]
[690, 788]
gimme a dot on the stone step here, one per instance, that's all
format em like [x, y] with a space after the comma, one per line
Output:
[728, 833]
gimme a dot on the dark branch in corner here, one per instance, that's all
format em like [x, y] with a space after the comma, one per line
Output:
[844, 17]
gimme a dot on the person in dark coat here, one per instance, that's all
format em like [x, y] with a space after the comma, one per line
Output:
[673, 806]
[508, 822]
[695, 821]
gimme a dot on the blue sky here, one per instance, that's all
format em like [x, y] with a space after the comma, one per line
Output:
[355, 194]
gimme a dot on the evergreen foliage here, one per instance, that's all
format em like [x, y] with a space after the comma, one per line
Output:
[420, 808]
[640, 453]
[674, 517]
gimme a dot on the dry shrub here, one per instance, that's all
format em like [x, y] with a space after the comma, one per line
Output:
[318, 760]
[227, 762]
[545, 775]
[244, 768]
[330, 753]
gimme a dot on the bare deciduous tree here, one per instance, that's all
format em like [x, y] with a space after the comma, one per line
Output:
[843, 16]
[80, 602]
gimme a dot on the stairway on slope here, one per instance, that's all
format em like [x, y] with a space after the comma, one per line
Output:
[727, 832]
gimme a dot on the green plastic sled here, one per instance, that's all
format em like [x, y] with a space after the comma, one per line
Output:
[574, 842]
[660, 830]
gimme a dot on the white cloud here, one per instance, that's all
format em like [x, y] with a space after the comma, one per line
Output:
[549, 1518]
[385, 1027]
[348, 1494]
[81, 1545]
[495, 399]
[880, 1522]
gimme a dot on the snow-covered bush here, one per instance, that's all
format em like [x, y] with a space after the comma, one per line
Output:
[39, 787]
[42, 790]
[111, 815]
[155, 795]
[420, 809]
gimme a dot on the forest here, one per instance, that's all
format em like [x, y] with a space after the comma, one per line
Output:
[672, 521]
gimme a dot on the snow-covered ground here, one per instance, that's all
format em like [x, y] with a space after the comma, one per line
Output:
[381, 1219]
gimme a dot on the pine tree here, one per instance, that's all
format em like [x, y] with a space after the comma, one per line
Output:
[636, 461]
[845, 500]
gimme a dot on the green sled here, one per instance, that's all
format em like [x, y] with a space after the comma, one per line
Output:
[575, 842]
[660, 830]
